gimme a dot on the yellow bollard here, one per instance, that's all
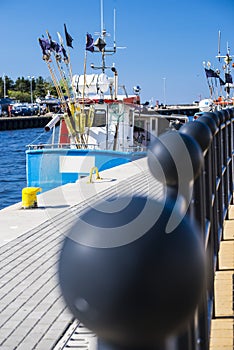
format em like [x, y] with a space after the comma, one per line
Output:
[94, 168]
[29, 197]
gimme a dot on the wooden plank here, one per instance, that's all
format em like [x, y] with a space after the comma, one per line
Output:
[222, 328]
[220, 324]
[231, 212]
[221, 334]
[226, 255]
[228, 229]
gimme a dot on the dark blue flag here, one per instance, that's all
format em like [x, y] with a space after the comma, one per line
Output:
[69, 39]
[89, 43]
[221, 81]
[64, 53]
[55, 46]
[45, 45]
[228, 78]
[210, 73]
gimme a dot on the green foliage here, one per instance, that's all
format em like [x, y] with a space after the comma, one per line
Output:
[19, 96]
[22, 85]
[21, 88]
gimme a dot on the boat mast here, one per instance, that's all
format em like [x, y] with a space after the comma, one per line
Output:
[227, 60]
[100, 43]
[103, 33]
[219, 40]
[102, 24]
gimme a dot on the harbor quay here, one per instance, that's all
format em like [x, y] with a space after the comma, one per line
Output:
[24, 122]
[165, 281]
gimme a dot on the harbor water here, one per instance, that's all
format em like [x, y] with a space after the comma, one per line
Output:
[13, 162]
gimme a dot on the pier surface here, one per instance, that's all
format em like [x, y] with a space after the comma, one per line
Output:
[33, 314]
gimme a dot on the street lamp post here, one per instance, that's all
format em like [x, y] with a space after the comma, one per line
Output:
[4, 85]
[164, 90]
[31, 90]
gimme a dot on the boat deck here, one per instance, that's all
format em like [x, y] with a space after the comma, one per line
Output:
[33, 314]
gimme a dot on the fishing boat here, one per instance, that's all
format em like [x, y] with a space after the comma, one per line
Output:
[220, 89]
[99, 127]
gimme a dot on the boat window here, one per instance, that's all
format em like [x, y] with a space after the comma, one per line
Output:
[140, 124]
[131, 118]
[153, 124]
[99, 118]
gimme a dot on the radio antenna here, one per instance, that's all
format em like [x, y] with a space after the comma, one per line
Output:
[219, 40]
[114, 30]
[102, 19]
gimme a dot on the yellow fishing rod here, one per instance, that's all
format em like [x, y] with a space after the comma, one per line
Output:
[68, 116]
[75, 115]
[70, 125]
[69, 40]
[58, 60]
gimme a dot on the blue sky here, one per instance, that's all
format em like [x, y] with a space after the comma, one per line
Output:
[166, 41]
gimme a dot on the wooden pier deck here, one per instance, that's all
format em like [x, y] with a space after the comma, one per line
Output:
[222, 326]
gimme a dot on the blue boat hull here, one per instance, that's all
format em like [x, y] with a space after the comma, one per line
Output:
[50, 168]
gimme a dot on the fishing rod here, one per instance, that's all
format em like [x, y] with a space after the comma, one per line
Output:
[57, 57]
[69, 120]
[67, 61]
[78, 117]
[69, 40]
[68, 117]
[54, 78]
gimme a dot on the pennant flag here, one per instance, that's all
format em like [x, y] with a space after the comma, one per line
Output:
[65, 56]
[100, 44]
[60, 38]
[66, 59]
[55, 46]
[69, 39]
[45, 46]
[221, 81]
[210, 73]
[89, 43]
[228, 78]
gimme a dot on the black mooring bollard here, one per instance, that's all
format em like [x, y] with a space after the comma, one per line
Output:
[128, 278]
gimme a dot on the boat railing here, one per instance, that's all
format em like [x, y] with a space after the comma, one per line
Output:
[134, 148]
[90, 146]
[62, 146]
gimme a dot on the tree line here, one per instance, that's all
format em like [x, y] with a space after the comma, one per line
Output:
[21, 88]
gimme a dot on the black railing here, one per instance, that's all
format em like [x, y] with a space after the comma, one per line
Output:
[212, 196]
[140, 273]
